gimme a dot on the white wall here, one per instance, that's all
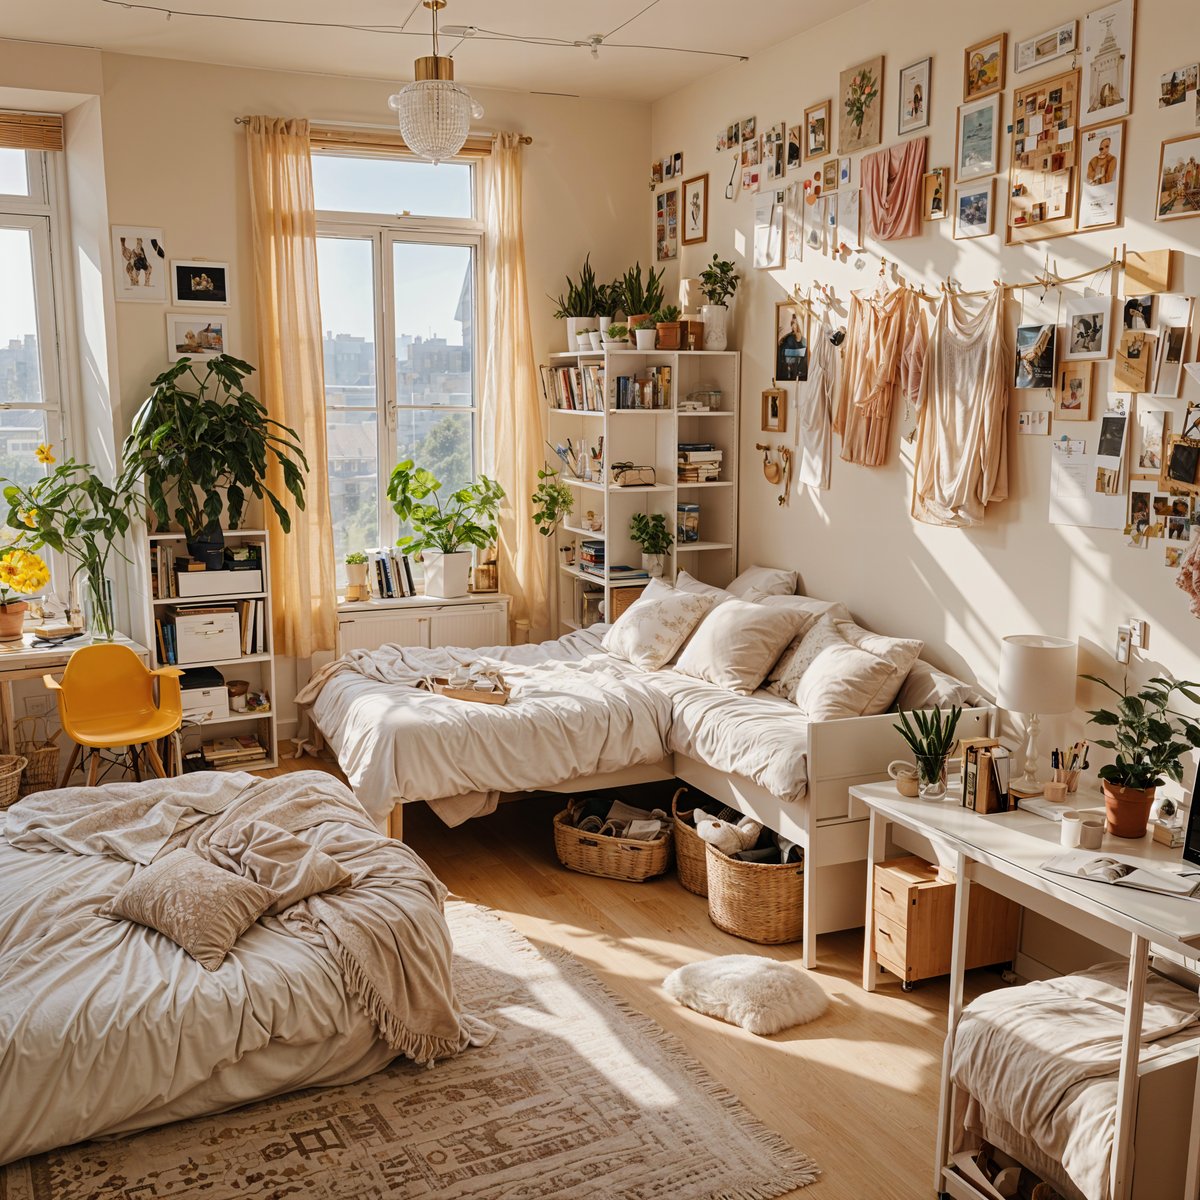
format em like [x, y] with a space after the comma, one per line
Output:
[960, 590]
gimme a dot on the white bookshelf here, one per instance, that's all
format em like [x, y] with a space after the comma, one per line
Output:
[257, 669]
[649, 437]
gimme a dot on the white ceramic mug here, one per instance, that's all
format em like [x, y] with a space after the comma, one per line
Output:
[1069, 831]
[1091, 833]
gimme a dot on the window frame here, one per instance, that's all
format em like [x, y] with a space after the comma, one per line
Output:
[385, 231]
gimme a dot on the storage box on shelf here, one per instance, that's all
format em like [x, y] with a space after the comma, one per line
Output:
[675, 412]
[217, 626]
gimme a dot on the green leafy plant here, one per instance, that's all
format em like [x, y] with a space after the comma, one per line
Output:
[1149, 737]
[466, 517]
[651, 533]
[581, 299]
[617, 332]
[638, 297]
[645, 323]
[718, 281]
[608, 299]
[355, 558]
[668, 314]
[553, 500]
[930, 737]
[203, 443]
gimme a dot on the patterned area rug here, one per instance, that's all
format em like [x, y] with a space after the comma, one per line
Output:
[578, 1098]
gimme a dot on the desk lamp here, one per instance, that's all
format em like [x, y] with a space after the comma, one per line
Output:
[1037, 677]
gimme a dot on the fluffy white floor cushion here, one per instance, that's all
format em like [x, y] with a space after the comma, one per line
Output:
[759, 994]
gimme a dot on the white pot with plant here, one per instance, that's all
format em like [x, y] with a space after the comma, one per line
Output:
[651, 533]
[616, 334]
[445, 534]
[645, 332]
[578, 305]
[356, 576]
[718, 282]
[638, 297]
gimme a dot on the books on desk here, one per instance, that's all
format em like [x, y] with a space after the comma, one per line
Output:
[985, 779]
[1106, 868]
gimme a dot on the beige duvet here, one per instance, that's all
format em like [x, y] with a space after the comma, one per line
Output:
[107, 1026]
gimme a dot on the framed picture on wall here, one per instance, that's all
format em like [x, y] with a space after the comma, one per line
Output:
[816, 130]
[1107, 62]
[1074, 399]
[695, 210]
[974, 205]
[914, 97]
[203, 284]
[977, 146]
[860, 106]
[1035, 356]
[1103, 159]
[935, 186]
[198, 336]
[666, 225]
[791, 342]
[983, 67]
[774, 410]
[1149, 442]
[1087, 332]
[139, 264]
[1044, 47]
[1179, 178]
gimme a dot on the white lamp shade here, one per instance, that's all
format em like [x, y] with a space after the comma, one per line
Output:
[1037, 674]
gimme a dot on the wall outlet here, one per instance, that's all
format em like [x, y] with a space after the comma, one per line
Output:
[1139, 633]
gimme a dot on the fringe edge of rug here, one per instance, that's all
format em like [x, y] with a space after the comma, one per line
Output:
[799, 1169]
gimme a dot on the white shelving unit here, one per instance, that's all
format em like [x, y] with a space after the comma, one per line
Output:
[648, 437]
[257, 669]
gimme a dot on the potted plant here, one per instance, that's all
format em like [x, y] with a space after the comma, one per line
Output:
[668, 328]
[579, 305]
[1149, 739]
[639, 299]
[356, 569]
[22, 573]
[651, 533]
[72, 510]
[608, 304]
[931, 739]
[202, 443]
[645, 332]
[444, 531]
[552, 500]
[615, 334]
[718, 282]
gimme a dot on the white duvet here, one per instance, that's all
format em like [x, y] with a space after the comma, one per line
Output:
[575, 711]
[107, 1026]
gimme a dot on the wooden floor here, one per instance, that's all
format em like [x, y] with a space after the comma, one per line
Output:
[856, 1089]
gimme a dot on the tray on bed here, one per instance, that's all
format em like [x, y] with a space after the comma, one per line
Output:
[497, 693]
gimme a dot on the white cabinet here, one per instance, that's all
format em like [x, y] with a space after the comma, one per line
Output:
[471, 621]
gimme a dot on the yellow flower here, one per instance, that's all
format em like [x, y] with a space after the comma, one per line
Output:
[45, 453]
[29, 516]
[23, 571]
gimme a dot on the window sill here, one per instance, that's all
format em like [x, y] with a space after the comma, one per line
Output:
[376, 605]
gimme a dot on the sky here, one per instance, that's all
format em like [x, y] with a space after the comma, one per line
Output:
[16, 276]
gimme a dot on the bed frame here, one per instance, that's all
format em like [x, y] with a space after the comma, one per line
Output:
[840, 754]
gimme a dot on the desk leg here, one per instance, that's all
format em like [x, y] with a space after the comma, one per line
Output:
[958, 964]
[6, 716]
[1127, 1080]
[1191, 1190]
[877, 827]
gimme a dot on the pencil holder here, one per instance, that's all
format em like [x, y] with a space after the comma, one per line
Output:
[1070, 778]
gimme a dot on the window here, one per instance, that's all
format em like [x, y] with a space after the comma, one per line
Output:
[399, 310]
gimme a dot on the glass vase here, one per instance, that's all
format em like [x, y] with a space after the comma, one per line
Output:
[98, 605]
[931, 777]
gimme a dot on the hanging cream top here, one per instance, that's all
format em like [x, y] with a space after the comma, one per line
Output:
[814, 412]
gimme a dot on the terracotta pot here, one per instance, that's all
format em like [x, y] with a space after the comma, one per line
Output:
[12, 621]
[668, 335]
[1127, 810]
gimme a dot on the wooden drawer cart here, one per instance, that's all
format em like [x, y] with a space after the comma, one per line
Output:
[914, 922]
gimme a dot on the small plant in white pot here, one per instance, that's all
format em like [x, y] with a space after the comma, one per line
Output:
[645, 332]
[356, 570]
[578, 305]
[718, 282]
[444, 532]
[616, 334]
[651, 533]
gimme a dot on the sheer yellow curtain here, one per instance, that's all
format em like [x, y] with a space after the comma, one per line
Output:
[291, 377]
[510, 392]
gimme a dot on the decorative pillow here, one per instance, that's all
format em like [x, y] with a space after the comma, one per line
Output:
[737, 643]
[842, 670]
[654, 626]
[759, 994]
[200, 907]
[927, 687]
[772, 581]
[689, 583]
[784, 675]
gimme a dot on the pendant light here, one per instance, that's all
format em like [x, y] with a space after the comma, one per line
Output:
[435, 112]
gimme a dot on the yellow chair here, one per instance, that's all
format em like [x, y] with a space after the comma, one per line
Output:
[106, 700]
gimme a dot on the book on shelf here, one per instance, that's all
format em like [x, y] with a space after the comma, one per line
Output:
[646, 391]
[390, 574]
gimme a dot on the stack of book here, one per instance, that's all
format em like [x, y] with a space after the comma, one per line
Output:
[233, 751]
[652, 390]
[390, 574]
[252, 614]
[699, 462]
[591, 557]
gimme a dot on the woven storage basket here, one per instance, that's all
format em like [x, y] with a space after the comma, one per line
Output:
[11, 766]
[691, 862]
[761, 902]
[40, 749]
[621, 599]
[612, 857]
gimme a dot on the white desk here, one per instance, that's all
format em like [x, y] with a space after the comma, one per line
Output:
[1004, 851]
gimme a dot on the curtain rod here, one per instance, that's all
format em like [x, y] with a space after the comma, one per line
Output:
[526, 140]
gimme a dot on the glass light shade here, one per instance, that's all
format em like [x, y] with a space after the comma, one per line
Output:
[435, 117]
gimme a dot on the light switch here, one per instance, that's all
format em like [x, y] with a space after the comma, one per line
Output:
[1139, 633]
[1122, 650]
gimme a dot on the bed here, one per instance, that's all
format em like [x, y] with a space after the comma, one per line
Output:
[107, 1026]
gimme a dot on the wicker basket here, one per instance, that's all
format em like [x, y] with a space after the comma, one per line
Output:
[761, 902]
[621, 599]
[691, 862]
[11, 766]
[40, 749]
[611, 857]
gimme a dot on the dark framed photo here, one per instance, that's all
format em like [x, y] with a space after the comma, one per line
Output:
[791, 342]
[203, 284]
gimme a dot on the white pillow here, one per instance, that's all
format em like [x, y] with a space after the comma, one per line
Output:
[759, 994]
[842, 670]
[927, 687]
[736, 644]
[655, 625]
[772, 581]
[689, 583]
[802, 604]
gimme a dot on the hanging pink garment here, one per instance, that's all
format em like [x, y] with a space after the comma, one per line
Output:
[891, 181]
[1189, 575]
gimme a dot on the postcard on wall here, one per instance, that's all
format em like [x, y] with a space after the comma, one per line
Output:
[1044, 47]
[849, 219]
[1135, 357]
[1103, 157]
[139, 263]
[1175, 86]
[793, 221]
[860, 106]
[1074, 399]
[1168, 369]
[1088, 328]
[1149, 434]
[1138, 313]
[1035, 356]
[1107, 62]
[1035, 422]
